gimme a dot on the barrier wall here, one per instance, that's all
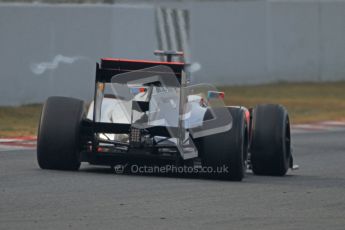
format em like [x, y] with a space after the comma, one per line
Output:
[266, 41]
[52, 49]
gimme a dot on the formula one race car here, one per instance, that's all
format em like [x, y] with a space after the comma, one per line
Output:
[145, 112]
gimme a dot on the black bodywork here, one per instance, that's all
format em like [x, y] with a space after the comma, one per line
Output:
[108, 152]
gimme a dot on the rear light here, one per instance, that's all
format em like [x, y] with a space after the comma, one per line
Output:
[135, 137]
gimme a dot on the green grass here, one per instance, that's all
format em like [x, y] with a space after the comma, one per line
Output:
[19, 121]
[306, 102]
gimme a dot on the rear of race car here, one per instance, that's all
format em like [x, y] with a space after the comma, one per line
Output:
[144, 112]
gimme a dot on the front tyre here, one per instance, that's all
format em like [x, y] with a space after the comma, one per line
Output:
[271, 141]
[58, 134]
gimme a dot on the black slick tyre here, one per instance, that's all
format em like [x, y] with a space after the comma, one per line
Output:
[270, 147]
[227, 149]
[58, 134]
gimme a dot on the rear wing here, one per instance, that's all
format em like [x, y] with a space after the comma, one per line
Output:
[121, 72]
[109, 67]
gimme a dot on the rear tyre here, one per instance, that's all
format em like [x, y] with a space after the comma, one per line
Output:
[271, 144]
[227, 149]
[58, 134]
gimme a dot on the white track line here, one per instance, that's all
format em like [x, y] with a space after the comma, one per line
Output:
[319, 127]
[21, 143]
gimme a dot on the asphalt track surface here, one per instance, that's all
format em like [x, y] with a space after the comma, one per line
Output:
[96, 198]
